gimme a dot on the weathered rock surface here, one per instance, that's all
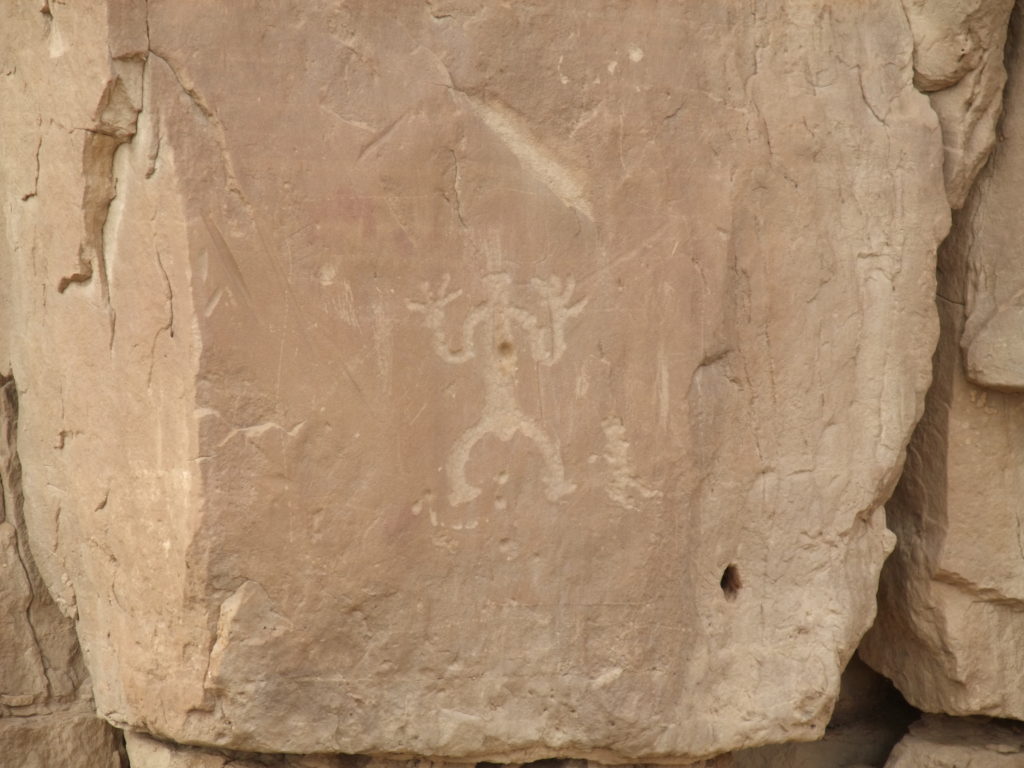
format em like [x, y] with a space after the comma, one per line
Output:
[854, 746]
[950, 619]
[958, 61]
[993, 338]
[949, 742]
[870, 717]
[45, 714]
[64, 739]
[147, 752]
[466, 380]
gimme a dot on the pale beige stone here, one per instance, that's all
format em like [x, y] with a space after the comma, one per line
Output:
[846, 747]
[40, 662]
[60, 740]
[949, 597]
[993, 338]
[467, 380]
[870, 717]
[147, 752]
[949, 742]
[22, 679]
[958, 61]
[949, 603]
[45, 715]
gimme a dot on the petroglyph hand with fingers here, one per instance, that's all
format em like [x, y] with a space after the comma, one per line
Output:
[557, 297]
[437, 300]
[433, 308]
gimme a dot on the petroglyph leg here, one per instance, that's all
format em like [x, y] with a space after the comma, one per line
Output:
[460, 491]
[555, 483]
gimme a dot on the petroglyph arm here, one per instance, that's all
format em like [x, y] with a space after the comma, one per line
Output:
[433, 308]
[549, 343]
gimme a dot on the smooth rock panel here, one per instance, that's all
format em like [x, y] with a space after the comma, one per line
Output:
[469, 381]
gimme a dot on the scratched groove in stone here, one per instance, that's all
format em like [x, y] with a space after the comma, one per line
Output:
[471, 381]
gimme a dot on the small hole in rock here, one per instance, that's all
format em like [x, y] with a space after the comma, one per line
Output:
[731, 582]
[505, 348]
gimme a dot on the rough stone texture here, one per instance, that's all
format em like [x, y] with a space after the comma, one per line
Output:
[993, 338]
[147, 752]
[853, 746]
[467, 380]
[947, 742]
[950, 619]
[869, 719]
[958, 61]
[45, 714]
[40, 663]
[59, 740]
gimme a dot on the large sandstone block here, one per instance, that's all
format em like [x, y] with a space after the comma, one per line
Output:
[60, 740]
[468, 380]
[950, 742]
[958, 61]
[869, 718]
[147, 752]
[949, 603]
[45, 717]
[993, 339]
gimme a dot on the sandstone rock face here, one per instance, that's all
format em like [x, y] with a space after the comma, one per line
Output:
[58, 740]
[993, 339]
[45, 717]
[949, 610]
[146, 752]
[948, 742]
[870, 717]
[45, 714]
[466, 380]
[958, 61]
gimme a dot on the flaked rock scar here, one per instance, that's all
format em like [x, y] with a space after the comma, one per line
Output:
[489, 334]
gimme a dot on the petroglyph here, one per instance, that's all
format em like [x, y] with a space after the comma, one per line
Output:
[624, 487]
[489, 333]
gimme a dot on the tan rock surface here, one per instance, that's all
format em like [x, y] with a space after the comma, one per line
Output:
[46, 714]
[46, 719]
[950, 742]
[993, 338]
[147, 752]
[870, 717]
[60, 740]
[467, 380]
[958, 61]
[949, 624]
[853, 746]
